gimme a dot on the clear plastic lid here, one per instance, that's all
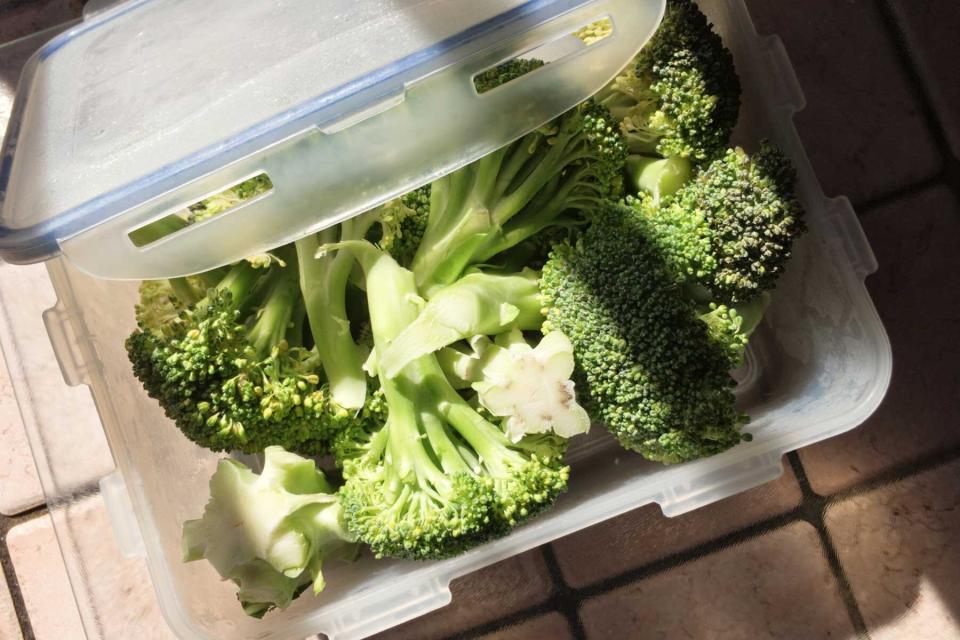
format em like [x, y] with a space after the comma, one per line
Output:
[150, 107]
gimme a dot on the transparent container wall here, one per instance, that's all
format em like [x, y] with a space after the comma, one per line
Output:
[818, 366]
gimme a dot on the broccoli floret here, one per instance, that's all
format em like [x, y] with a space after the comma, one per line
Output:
[269, 533]
[731, 229]
[681, 96]
[436, 478]
[230, 370]
[402, 225]
[566, 167]
[228, 199]
[648, 365]
[504, 73]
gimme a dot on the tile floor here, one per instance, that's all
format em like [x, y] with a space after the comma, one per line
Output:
[859, 538]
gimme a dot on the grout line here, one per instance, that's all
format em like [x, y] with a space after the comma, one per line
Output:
[921, 82]
[9, 522]
[565, 597]
[6, 562]
[681, 557]
[503, 622]
[813, 507]
[897, 473]
[865, 207]
[811, 510]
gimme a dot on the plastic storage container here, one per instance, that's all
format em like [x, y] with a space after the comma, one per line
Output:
[132, 116]
[818, 366]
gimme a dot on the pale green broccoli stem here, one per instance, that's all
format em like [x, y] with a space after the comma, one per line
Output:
[389, 283]
[183, 290]
[476, 304]
[458, 220]
[486, 438]
[658, 176]
[274, 320]
[323, 281]
[237, 284]
[470, 208]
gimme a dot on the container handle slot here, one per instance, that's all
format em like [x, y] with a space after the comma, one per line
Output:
[495, 76]
[227, 199]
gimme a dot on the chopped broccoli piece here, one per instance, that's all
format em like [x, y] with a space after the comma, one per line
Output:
[230, 370]
[681, 96]
[566, 167]
[731, 229]
[648, 365]
[436, 478]
[269, 533]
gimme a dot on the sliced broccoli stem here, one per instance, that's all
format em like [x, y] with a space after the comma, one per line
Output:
[483, 436]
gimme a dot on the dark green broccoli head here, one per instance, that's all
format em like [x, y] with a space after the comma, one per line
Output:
[730, 230]
[682, 97]
[753, 217]
[648, 366]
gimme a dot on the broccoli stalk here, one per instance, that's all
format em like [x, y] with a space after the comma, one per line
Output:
[495, 203]
[323, 282]
[269, 533]
[477, 304]
[438, 477]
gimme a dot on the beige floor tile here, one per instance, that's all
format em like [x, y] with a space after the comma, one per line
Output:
[552, 626]
[43, 580]
[900, 548]
[916, 294]
[775, 586]
[19, 483]
[488, 594]
[855, 84]
[74, 449]
[9, 627]
[646, 535]
[115, 591]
